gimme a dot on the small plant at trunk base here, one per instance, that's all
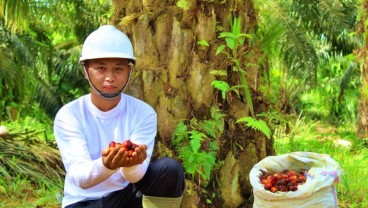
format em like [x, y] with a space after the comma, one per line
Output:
[234, 50]
[197, 143]
[223, 86]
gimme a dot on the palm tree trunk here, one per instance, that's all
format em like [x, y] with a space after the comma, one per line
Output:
[173, 75]
[362, 54]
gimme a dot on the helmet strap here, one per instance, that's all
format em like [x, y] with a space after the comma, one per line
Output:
[106, 96]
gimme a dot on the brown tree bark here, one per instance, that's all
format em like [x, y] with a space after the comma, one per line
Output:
[362, 54]
[172, 74]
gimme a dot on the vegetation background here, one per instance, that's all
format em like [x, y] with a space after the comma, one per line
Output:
[232, 81]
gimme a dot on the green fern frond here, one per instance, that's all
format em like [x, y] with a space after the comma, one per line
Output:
[196, 138]
[217, 114]
[259, 125]
[208, 161]
[180, 133]
[209, 127]
[189, 163]
[224, 87]
[218, 117]
[214, 146]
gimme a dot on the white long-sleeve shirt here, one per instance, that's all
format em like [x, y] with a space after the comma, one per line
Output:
[82, 131]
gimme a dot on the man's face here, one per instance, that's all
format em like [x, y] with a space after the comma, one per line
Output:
[108, 75]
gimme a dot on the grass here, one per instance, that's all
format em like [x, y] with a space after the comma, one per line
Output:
[31, 173]
[22, 193]
[342, 145]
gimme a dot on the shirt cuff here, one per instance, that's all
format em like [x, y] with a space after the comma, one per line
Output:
[101, 168]
[133, 174]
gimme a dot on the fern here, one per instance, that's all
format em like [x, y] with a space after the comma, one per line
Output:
[197, 144]
[209, 160]
[215, 126]
[196, 138]
[216, 114]
[259, 125]
[224, 87]
[189, 160]
[180, 133]
[209, 128]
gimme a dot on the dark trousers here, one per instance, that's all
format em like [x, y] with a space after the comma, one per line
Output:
[164, 178]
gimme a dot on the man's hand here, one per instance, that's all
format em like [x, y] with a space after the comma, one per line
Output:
[117, 157]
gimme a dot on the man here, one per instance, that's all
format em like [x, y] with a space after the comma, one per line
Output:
[98, 176]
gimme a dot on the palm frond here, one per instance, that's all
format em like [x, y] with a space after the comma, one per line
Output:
[24, 154]
[45, 96]
[333, 19]
[299, 54]
[15, 14]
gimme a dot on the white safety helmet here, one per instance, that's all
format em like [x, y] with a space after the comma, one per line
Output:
[107, 42]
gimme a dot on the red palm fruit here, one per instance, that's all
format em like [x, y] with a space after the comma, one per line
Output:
[280, 182]
[301, 179]
[277, 176]
[274, 189]
[283, 188]
[267, 186]
[293, 178]
[262, 177]
[263, 181]
[292, 173]
[290, 184]
[112, 145]
[271, 179]
[128, 145]
[293, 188]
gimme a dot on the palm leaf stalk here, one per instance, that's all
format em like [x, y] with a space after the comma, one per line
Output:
[24, 155]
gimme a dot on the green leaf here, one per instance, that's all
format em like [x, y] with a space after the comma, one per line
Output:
[226, 35]
[209, 127]
[196, 138]
[249, 36]
[180, 133]
[216, 114]
[220, 49]
[203, 43]
[259, 125]
[222, 86]
[214, 146]
[248, 96]
[230, 43]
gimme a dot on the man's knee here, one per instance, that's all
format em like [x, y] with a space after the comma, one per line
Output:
[164, 177]
[168, 165]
